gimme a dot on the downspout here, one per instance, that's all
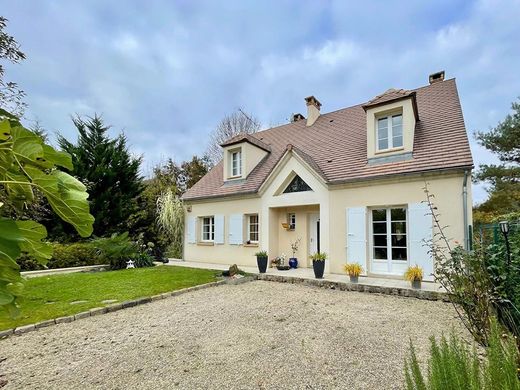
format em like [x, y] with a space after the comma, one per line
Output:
[465, 210]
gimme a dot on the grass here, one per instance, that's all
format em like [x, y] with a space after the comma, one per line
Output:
[48, 297]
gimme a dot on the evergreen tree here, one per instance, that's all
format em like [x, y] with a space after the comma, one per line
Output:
[504, 178]
[109, 171]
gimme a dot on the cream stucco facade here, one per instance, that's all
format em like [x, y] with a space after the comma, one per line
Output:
[344, 215]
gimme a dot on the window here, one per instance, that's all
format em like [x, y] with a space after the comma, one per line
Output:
[252, 228]
[390, 132]
[389, 234]
[208, 229]
[291, 220]
[236, 163]
[297, 185]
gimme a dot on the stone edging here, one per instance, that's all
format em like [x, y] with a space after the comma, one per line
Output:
[347, 286]
[115, 307]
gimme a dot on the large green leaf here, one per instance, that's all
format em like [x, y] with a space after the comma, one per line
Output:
[27, 146]
[5, 130]
[67, 197]
[33, 233]
[55, 157]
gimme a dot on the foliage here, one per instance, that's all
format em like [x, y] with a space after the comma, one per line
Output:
[413, 273]
[261, 254]
[26, 164]
[504, 141]
[93, 288]
[231, 125]
[295, 245]
[477, 282]
[108, 170]
[318, 256]
[353, 269]
[191, 172]
[170, 218]
[452, 365]
[117, 249]
[78, 254]
[11, 96]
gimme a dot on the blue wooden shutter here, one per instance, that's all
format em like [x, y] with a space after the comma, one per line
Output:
[190, 229]
[236, 228]
[356, 236]
[420, 235]
[219, 229]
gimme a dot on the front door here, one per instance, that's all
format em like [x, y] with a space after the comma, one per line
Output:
[314, 233]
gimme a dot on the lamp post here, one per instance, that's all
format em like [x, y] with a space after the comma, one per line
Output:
[504, 228]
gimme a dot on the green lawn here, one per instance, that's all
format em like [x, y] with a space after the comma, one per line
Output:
[48, 297]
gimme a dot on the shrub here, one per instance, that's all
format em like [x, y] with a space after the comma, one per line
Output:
[28, 263]
[117, 249]
[353, 269]
[413, 273]
[74, 255]
[453, 365]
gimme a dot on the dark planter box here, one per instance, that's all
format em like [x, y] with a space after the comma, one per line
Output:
[416, 284]
[319, 268]
[354, 279]
[262, 264]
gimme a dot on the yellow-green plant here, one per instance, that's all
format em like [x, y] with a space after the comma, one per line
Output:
[353, 269]
[318, 256]
[170, 218]
[413, 273]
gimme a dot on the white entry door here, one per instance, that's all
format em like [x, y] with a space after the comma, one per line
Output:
[314, 233]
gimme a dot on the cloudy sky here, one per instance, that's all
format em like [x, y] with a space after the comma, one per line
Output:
[166, 71]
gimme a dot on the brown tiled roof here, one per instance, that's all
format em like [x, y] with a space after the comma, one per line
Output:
[388, 96]
[246, 138]
[336, 145]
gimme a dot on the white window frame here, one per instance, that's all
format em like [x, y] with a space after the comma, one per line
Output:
[389, 258]
[390, 131]
[291, 220]
[235, 162]
[249, 231]
[211, 225]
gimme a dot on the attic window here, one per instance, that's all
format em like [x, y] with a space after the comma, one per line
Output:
[390, 132]
[297, 185]
[236, 163]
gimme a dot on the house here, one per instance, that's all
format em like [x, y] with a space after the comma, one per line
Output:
[349, 183]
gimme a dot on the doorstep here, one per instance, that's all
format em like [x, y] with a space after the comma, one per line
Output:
[429, 290]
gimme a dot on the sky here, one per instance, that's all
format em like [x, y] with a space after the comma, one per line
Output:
[165, 72]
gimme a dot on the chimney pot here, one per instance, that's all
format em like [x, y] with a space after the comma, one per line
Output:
[436, 77]
[313, 109]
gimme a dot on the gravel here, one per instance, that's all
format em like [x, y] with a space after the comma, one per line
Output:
[258, 335]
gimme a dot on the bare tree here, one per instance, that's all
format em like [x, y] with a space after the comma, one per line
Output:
[11, 97]
[238, 122]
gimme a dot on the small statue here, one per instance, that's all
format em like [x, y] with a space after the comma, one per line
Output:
[130, 264]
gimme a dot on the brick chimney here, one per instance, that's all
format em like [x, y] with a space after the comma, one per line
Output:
[436, 77]
[313, 109]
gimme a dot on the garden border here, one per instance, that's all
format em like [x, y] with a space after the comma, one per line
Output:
[360, 287]
[117, 306]
[333, 285]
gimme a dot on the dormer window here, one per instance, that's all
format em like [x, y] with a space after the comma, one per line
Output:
[236, 163]
[390, 132]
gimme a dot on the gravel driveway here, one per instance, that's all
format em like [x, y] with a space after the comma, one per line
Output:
[257, 335]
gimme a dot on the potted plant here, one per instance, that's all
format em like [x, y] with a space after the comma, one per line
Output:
[318, 264]
[414, 275]
[281, 266]
[261, 261]
[353, 270]
[293, 261]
